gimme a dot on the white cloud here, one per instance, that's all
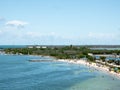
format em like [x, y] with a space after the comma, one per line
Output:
[33, 34]
[39, 34]
[102, 38]
[0, 31]
[55, 38]
[102, 35]
[44, 38]
[16, 23]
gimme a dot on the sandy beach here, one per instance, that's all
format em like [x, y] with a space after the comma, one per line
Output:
[92, 65]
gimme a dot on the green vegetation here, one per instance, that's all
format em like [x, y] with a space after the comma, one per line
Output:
[65, 52]
[70, 52]
[90, 58]
[103, 58]
[105, 51]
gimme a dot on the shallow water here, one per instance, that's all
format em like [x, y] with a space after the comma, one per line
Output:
[17, 73]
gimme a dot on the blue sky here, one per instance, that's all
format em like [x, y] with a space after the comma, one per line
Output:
[59, 22]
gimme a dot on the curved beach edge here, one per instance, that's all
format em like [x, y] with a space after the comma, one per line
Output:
[92, 65]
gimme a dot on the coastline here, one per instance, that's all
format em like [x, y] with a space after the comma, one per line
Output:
[82, 62]
[91, 65]
[86, 63]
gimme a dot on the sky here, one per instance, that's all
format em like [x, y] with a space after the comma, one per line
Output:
[59, 22]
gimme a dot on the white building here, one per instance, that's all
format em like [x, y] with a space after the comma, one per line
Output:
[30, 46]
[38, 46]
[43, 47]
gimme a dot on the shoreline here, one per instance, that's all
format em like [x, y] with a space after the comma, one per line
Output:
[91, 65]
[87, 64]
[82, 62]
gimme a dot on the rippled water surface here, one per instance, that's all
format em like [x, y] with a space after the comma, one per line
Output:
[17, 73]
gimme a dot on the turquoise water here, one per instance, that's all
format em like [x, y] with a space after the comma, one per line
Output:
[12, 46]
[105, 48]
[16, 73]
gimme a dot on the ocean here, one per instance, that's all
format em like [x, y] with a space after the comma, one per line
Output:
[17, 73]
[12, 46]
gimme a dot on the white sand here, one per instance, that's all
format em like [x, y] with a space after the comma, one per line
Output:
[94, 65]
